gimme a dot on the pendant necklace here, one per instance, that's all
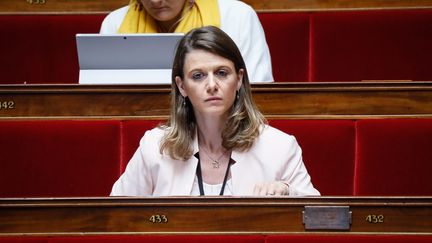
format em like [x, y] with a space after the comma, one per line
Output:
[215, 162]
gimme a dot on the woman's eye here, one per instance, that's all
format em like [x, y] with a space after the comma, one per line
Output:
[222, 73]
[197, 76]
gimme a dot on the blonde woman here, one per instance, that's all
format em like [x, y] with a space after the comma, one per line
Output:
[216, 142]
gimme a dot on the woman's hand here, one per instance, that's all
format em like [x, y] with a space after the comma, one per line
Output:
[272, 188]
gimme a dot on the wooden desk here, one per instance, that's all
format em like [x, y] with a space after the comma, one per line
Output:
[345, 100]
[212, 215]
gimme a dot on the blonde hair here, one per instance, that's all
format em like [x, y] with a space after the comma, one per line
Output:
[244, 121]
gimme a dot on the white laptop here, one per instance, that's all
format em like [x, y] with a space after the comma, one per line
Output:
[126, 58]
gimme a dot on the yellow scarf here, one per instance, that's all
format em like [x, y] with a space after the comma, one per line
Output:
[202, 13]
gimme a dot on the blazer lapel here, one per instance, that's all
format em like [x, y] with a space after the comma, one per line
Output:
[185, 175]
[242, 182]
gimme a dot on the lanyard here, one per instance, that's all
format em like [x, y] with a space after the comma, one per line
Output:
[200, 180]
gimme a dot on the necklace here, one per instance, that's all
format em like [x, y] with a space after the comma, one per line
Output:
[200, 180]
[215, 162]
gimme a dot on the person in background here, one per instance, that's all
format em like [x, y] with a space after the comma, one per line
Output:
[234, 17]
[216, 141]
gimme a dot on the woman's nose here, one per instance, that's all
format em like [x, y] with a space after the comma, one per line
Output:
[211, 83]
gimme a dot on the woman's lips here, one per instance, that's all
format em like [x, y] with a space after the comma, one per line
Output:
[213, 98]
[160, 9]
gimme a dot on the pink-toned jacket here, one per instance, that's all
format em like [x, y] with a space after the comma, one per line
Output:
[275, 156]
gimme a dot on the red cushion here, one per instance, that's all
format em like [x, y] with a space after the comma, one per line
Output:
[328, 152]
[58, 158]
[23, 239]
[348, 238]
[320, 46]
[42, 48]
[287, 35]
[132, 132]
[394, 157]
[162, 239]
[371, 45]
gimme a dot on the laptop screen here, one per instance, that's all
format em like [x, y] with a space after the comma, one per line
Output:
[126, 58]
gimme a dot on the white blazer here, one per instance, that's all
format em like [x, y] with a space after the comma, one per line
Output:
[275, 156]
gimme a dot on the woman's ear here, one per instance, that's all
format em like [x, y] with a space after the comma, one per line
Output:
[180, 86]
[240, 78]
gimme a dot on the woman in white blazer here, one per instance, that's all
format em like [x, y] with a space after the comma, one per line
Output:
[215, 142]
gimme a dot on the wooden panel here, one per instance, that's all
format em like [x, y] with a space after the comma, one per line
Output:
[276, 100]
[105, 6]
[227, 215]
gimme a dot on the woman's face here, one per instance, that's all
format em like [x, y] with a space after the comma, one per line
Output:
[163, 10]
[210, 81]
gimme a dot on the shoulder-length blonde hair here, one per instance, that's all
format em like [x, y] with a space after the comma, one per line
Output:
[244, 121]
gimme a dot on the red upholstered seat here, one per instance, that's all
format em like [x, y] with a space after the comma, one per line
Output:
[83, 158]
[132, 132]
[372, 45]
[287, 35]
[328, 152]
[394, 157]
[304, 46]
[41, 48]
[58, 158]
[291, 238]
[23, 239]
[162, 239]
[331, 165]
[349, 238]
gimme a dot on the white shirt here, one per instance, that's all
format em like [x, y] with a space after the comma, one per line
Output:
[240, 22]
[212, 190]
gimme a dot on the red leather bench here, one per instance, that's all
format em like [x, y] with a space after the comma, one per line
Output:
[38, 49]
[136, 239]
[350, 45]
[328, 150]
[305, 46]
[371, 45]
[294, 238]
[54, 158]
[392, 157]
[329, 238]
[288, 36]
[163, 239]
[58, 158]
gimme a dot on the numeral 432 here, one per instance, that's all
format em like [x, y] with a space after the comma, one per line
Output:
[373, 218]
